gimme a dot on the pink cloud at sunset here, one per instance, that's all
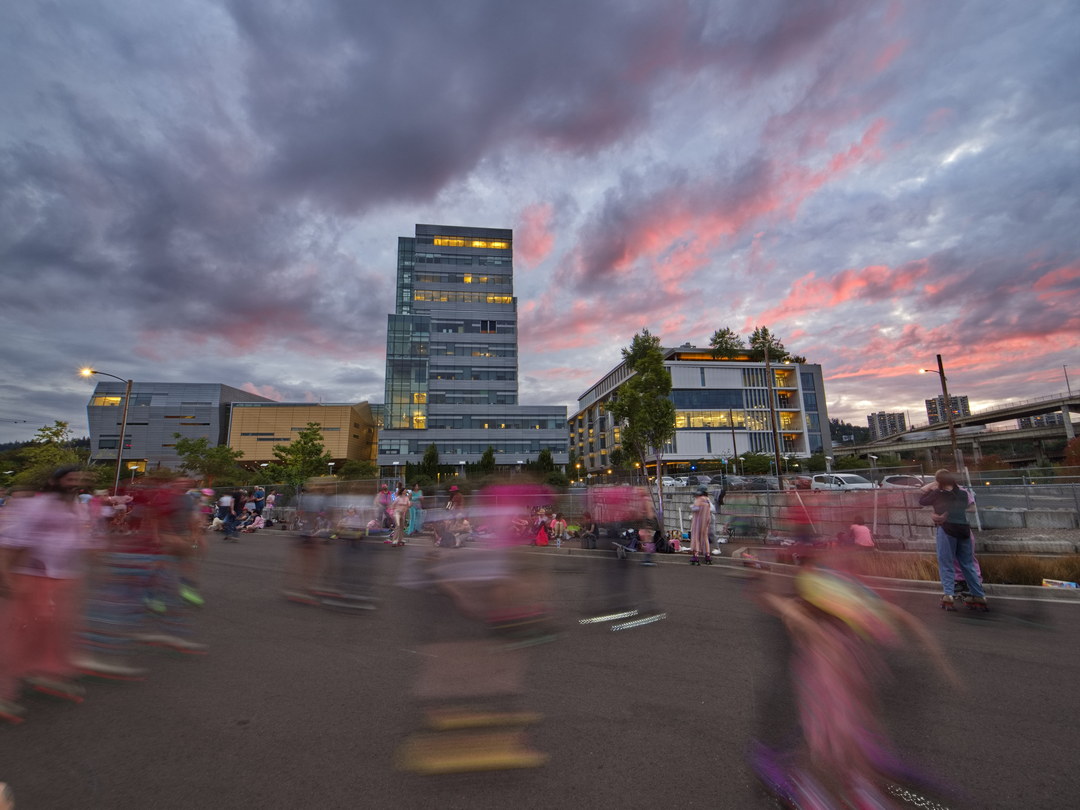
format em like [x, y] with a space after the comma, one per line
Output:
[875, 283]
[533, 237]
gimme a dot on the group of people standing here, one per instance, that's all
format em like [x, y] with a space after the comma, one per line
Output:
[78, 595]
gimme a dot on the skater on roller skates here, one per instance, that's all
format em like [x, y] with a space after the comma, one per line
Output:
[701, 519]
[839, 631]
[955, 542]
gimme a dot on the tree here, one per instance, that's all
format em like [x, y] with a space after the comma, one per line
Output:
[354, 470]
[200, 458]
[842, 432]
[50, 448]
[762, 341]
[727, 344]
[643, 408]
[429, 466]
[544, 463]
[304, 457]
[486, 465]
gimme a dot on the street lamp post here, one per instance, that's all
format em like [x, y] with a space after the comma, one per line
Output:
[88, 372]
[958, 459]
[769, 381]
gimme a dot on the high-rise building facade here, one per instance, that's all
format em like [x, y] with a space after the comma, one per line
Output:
[886, 424]
[452, 355]
[935, 408]
[721, 410]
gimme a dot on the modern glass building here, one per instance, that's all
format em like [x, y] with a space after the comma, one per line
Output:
[452, 355]
[721, 410]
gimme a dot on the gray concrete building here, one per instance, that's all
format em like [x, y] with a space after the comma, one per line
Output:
[156, 413]
[452, 355]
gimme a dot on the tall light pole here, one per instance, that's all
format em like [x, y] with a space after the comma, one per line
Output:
[958, 459]
[767, 345]
[89, 372]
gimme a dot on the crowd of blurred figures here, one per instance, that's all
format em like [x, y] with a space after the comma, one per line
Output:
[90, 579]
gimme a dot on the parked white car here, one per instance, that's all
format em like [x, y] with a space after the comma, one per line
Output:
[668, 481]
[840, 481]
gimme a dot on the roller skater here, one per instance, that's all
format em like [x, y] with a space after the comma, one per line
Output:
[701, 519]
[954, 539]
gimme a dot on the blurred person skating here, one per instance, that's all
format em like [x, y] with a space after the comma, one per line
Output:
[700, 520]
[43, 543]
[840, 630]
[953, 537]
[306, 559]
[167, 531]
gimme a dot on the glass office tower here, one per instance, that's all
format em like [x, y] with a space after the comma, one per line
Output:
[452, 355]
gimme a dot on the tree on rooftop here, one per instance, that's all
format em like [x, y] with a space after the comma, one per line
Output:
[726, 344]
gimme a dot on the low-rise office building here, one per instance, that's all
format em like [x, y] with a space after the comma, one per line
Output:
[156, 413]
[348, 430]
[721, 411]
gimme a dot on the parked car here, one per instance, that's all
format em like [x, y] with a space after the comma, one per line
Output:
[736, 482]
[699, 480]
[668, 481]
[680, 482]
[763, 483]
[905, 481]
[840, 481]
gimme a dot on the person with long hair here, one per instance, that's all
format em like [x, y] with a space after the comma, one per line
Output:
[43, 543]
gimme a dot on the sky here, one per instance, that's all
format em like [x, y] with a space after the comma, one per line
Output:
[207, 191]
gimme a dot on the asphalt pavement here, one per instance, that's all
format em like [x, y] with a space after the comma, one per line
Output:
[299, 706]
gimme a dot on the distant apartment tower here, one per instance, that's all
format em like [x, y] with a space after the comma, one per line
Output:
[935, 408]
[1042, 420]
[886, 424]
[452, 355]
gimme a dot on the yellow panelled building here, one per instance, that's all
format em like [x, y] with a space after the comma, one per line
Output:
[349, 432]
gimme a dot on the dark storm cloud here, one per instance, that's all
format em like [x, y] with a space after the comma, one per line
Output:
[362, 103]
